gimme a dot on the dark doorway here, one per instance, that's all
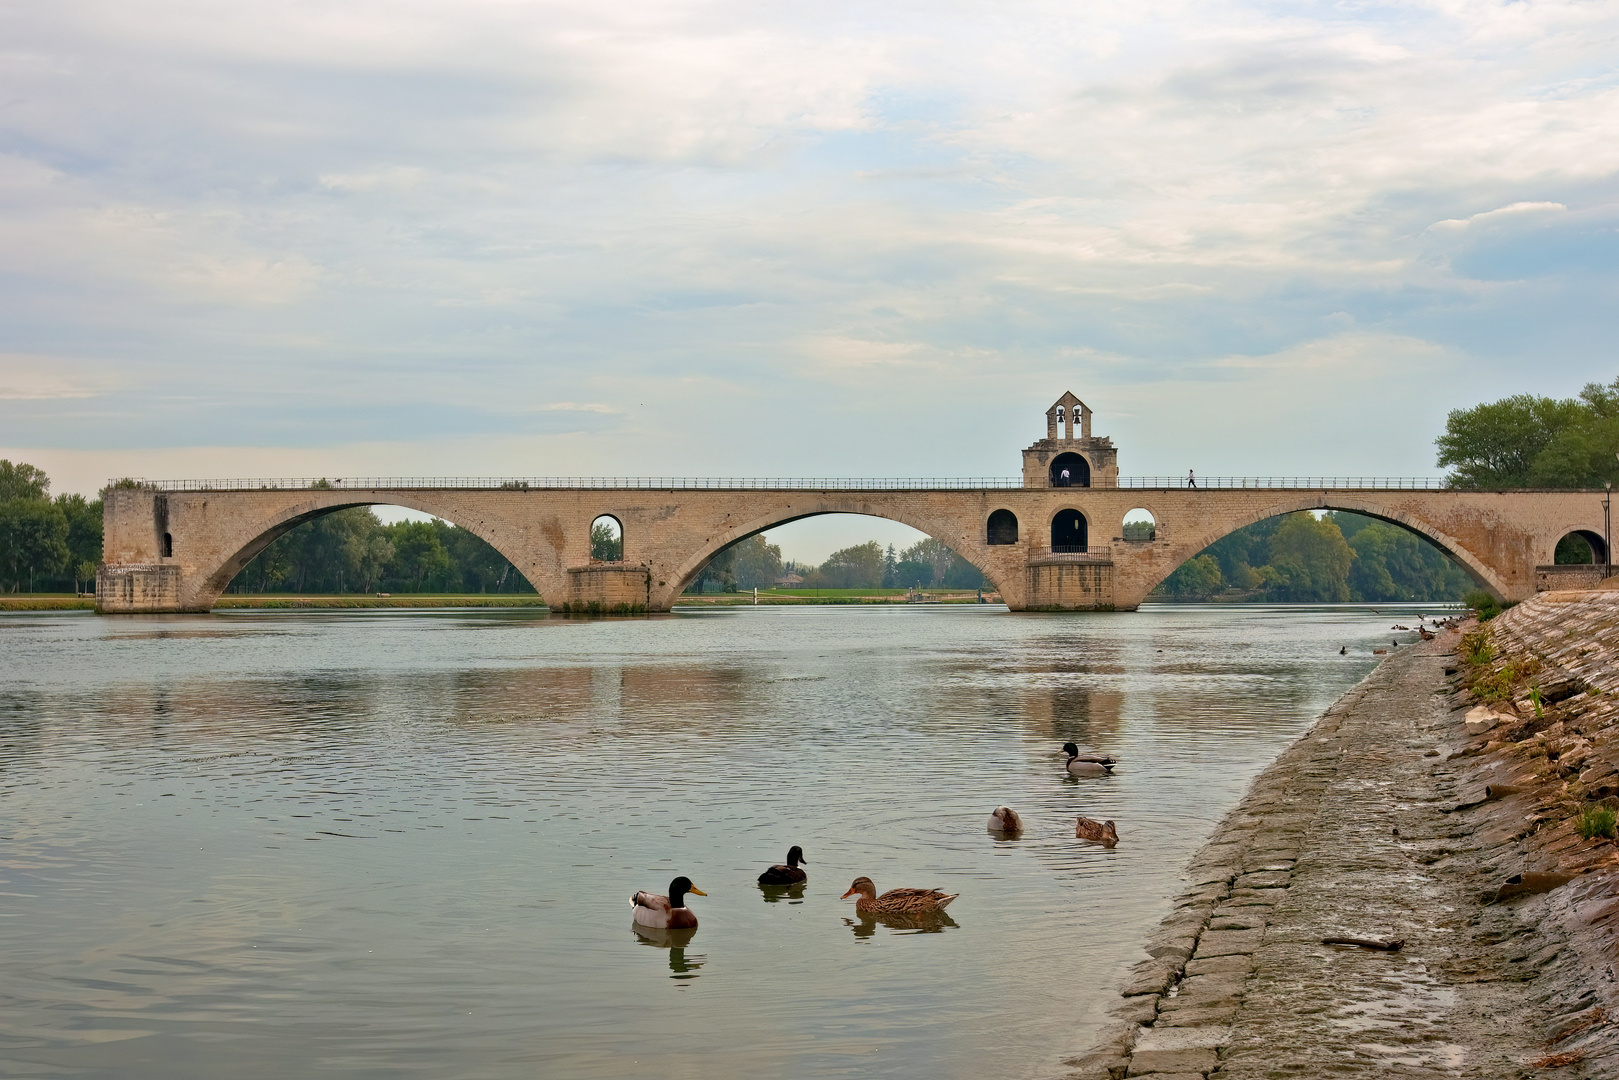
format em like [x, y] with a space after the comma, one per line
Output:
[1002, 527]
[1069, 532]
[1070, 470]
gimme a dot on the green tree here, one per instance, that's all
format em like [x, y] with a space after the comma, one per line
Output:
[1529, 441]
[1392, 563]
[22, 481]
[756, 563]
[1309, 562]
[857, 567]
[83, 531]
[33, 542]
[1196, 578]
[606, 541]
[418, 552]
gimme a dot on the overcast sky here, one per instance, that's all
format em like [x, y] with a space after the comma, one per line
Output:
[746, 239]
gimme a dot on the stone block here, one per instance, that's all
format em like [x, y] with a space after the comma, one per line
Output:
[1144, 1063]
[1228, 942]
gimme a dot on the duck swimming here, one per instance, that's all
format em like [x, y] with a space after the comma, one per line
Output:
[1005, 821]
[788, 873]
[896, 901]
[667, 912]
[1097, 832]
[1086, 764]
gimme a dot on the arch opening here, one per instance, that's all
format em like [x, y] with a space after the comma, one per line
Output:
[1582, 547]
[168, 545]
[606, 539]
[1070, 533]
[891, 567]
[1001, 528]
[349, 550]
[1069, 469]
[1139, 526]
[1344, 555]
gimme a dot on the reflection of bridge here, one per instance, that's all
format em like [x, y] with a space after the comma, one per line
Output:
[1045, 546]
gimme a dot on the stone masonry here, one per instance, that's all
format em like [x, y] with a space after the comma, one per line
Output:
[177, 550]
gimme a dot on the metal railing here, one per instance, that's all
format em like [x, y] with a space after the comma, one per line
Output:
[731, 483]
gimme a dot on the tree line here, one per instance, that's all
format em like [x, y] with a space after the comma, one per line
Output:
[757, 563]
[352, 551]
[1338, 558]
[46, 544]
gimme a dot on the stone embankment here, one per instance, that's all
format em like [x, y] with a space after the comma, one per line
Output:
[1438, 804]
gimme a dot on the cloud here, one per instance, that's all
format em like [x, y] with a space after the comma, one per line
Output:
[1517, 209]
[714, 232]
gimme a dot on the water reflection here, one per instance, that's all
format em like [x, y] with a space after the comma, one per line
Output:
[865, 924]
[683, 967]
[775, 894]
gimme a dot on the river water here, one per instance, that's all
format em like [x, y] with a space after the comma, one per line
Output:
[401, 844]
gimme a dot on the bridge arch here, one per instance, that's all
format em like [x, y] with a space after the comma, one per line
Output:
[238, 548]
[1481, 574]
[948, 532]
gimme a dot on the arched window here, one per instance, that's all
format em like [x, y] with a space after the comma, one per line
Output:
[1139, 525]
[1002, 527]
[1580, 547]
[168, 545]
[1070, 470]
[1069, 532]
[607, 539]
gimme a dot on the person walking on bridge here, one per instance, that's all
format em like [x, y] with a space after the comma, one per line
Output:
[1191, 481]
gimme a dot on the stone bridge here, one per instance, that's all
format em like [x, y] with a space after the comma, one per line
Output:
[1054, 540]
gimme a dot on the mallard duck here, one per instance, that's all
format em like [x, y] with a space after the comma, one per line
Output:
[1005, 820]
[896, 901]
[667, 912]
[1086, 763]
[788, 874]
[1097, 832]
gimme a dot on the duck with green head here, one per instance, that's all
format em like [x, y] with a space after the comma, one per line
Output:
[667, 912]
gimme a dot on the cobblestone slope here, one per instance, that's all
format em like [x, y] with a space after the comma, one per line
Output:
[1397, 818]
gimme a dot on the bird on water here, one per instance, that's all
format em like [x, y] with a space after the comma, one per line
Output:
[1005, 821]
[667, 912]
[896, 901]
[787, 873]
[1081, 764]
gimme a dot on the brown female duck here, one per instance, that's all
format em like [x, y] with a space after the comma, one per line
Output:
[896, 901]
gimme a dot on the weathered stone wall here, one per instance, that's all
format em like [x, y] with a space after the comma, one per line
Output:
[670, 535]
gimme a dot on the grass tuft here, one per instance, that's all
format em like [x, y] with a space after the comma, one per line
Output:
[1597, 821]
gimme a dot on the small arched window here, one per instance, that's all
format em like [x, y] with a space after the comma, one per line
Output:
[1002, 527]
[1580, 547]
[168, 545]
[1140, 525]
[607, 539]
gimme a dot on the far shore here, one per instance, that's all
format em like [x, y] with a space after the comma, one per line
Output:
[72, 602]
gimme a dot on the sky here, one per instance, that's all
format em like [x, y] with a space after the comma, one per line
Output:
[422, 238]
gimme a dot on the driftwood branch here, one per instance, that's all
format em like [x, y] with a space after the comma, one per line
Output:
[1382, 944]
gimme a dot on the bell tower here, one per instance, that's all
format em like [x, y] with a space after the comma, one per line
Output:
[1070, 458]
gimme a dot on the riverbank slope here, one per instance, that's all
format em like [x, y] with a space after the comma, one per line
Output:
[1397, 818]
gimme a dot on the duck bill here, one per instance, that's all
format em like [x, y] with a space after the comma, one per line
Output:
[846, 895]
[695, 891]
